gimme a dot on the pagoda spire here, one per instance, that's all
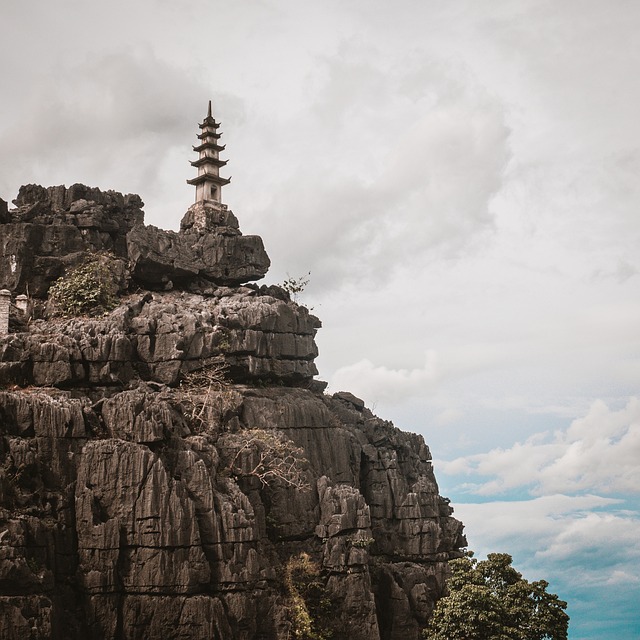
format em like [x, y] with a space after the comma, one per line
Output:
[208, 182]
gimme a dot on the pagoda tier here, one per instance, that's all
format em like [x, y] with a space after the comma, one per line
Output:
[211, 136]
[208, 182]
[209, 121]
[209, 177]
[205, 159]
[209, 145]
[209, 132]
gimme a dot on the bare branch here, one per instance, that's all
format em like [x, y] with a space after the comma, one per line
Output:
[267, 455]
[207, 395]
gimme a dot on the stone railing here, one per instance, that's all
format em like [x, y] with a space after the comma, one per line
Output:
[22, 304]
[5, 305]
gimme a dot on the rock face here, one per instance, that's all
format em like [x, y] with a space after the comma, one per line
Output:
[141, 493]
[54, 228]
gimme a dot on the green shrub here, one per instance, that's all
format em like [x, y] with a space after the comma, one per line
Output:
[309, 610]
[361, 543]
[87, 289]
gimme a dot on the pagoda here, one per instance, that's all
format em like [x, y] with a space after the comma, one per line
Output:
[208, 182]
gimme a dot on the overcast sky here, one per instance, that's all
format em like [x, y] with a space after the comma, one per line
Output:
[461, 180]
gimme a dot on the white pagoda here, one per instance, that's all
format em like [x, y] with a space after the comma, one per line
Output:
[208, 182]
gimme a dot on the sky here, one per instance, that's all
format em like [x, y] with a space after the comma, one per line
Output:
[460, 178]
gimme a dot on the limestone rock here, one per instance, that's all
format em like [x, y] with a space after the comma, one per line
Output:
[134, 501]
[53, 229]
[164, 336]
[211, 216]
[4, 211]
[161, 257]
[162, 528]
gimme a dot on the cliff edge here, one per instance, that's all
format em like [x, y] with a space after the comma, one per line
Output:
[171, 469]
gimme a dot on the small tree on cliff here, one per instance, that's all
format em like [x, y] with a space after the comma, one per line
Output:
[295, 286]
[490, 600]
[265, 454]
[88, 288]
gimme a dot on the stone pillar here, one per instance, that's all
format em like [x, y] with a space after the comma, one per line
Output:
[22, 302]
[5, 303]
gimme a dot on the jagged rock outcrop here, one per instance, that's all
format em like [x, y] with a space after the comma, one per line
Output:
[133, 448]
[54, 228]
[159, 337]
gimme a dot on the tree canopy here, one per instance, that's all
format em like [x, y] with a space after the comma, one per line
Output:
[490, 600]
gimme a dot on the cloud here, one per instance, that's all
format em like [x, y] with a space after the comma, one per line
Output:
[401, 159]
[614, 535]
[598, 452]
[622, 577]
[449, 415]
[383, 384]
[553, 534]
[393, 385]
[111, 121]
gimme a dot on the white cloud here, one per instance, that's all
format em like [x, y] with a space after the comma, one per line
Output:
[380, 383]
[615, 535]
[598, 452]
[449, 416]
[622, 577]
[400, 158]
[588, 537]
[110, 122]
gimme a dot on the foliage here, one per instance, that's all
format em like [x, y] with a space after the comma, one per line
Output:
[361, 543]
[308, 607]
[295, 286]
[86, 289]
[490, 600]
[267, 455]
[224, 339]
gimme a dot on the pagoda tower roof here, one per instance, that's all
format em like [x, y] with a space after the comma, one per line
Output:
[209, 177]
[209, 121]
[210, 145]
[208, 160]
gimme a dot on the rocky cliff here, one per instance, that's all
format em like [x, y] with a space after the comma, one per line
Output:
[171, 469]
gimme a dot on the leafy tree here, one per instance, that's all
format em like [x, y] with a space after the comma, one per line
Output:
[490, 600]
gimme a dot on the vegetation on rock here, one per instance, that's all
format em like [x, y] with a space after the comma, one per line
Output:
[294, 286]
[308, 606]
[173, 496]
[490, 600]
[207, 395]
[86, 289]
[267, 455]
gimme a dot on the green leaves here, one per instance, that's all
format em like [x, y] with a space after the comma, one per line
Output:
[490, 600]
[87, 289]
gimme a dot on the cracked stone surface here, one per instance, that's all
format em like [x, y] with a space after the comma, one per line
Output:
[121, 513]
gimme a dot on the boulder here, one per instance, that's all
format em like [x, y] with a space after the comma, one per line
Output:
[188, 260]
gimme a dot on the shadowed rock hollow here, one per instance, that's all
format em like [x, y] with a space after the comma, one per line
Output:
[130, 504]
